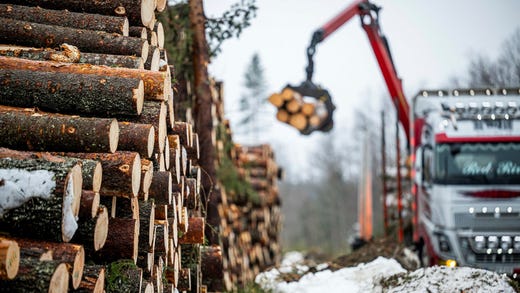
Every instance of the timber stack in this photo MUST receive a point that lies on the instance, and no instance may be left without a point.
(302, 114)
(100, 187)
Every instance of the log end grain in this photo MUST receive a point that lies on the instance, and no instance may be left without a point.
(136, 174)
(77, 269)
(160, 30)
(71, 203)
(9, 259)
(161, 5)
(126, 27)
(113, 135)
(147, 12)
(60, 280)
(151, 141)
(138, 96)
(144, 50)
(96, 180)
(101, 229)
(156, 57)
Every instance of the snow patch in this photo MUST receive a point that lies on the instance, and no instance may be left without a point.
(17, 186)
(353, 279)
(445, 279)
(69, 221)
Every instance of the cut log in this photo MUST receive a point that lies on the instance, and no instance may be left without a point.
(91, 170)
(44, 35)
(175, 165)
(139, 12)
(158, 28)
(154, 113)
(106, 95)
(30, 130)
(93, 280)
(298, 121)
(282, 115)
(161, 188)
(122, 241)
(156, 84)
(193, 151)
(161, 240)
(195, 234)
(110, 202)
(70, 254)
(121, 172)
(184, 283)
(212, 267)
(166, 154)
(184, 161)
(276, 100)
(138, 32)
(71, 54)
(110, 60)
(89, 204)
(88, 21)
(154, 56)
(173, 230)
(161, 214)
(127, 208)
(39, 276)
(9, 258)
(146, 224)
(39, 198)
(192, 196)
(92, 233)
(146, 178)
(184, 131)
(137, 138)
(123, 276)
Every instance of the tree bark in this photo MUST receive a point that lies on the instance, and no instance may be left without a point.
(184, 131)
(93, 95)
(154, 113)
(91, 170)
(88, 21)
(161, 188)
(184, 283)
(139, 12)
(156, 83)
(30, 130)
(137, 137)
(195, 234)
(47, 54)
(93, 280)
(127, 208)
(152, 61)
(121, 172)
(122, 241)
(39, 198)
(92, 233)
(39, 276)
(43, 35)
(9, 258)
(203, 103)
(193, 151)
(89, 204)
(138, 32)
(71, 255)
(193, 195)
(146, 178)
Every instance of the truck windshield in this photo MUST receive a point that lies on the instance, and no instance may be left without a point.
(477, 163)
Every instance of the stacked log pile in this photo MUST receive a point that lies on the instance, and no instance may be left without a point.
(100, 188)
(96, 190)
(245, 217)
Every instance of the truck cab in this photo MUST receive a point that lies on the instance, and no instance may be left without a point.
(467, 177)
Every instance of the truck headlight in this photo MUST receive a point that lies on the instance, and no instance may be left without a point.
(506, 242)
(480, 242)
(517, 243)
(492, 242)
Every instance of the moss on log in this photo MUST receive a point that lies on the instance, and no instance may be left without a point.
(39, 276)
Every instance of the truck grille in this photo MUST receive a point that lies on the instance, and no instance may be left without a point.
(497, 258)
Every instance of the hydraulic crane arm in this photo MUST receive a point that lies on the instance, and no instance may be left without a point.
(368, 13)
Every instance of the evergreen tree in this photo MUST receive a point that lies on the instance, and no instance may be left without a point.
(253, 100)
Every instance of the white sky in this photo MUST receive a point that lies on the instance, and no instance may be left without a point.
(430, 41)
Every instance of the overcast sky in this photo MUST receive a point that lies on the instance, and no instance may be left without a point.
(431, 41)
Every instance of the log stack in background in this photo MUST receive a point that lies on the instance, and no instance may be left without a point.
(100, 188)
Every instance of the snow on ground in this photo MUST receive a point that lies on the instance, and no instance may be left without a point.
(379, 275)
